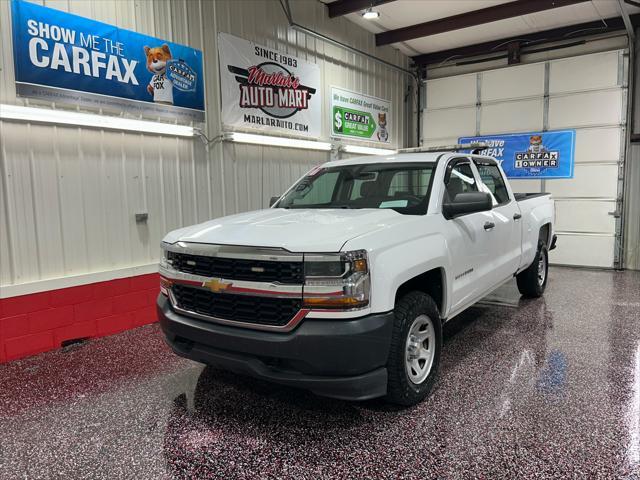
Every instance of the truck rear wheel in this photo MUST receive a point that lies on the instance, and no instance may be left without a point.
(416, 344)
(533, 281)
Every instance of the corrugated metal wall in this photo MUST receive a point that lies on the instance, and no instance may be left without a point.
(69, 195)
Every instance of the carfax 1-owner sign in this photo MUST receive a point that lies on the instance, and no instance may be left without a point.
(358, 116)
(70, 59)
(531, 154)
(267, 89)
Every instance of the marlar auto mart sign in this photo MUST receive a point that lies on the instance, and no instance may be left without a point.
(266, 89)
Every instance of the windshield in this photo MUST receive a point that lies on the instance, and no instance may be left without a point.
(403, 187)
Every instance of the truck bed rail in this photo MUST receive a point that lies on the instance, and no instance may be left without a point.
(527, 196)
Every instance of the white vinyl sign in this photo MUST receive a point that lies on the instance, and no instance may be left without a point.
(268, 89)
(358, 116)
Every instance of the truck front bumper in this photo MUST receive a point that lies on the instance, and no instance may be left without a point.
(337, 358)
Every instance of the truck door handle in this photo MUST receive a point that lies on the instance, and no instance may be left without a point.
(517, 216)
(489, 226)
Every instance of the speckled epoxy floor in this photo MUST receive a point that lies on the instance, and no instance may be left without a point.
(548, 388)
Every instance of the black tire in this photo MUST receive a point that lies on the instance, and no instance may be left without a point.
(400, 388)
(529, 283)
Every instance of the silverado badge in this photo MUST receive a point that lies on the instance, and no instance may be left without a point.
(216, 285)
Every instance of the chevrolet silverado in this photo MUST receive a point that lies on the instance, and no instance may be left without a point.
(343, 285)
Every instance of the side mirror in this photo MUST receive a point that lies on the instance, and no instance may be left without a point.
(466, 203)
(273, 201)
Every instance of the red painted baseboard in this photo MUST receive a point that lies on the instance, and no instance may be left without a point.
(31, 324)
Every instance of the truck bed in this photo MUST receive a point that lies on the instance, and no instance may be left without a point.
(526, 196)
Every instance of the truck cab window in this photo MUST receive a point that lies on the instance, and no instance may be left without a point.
(357, 189)
(493, 183)
(410, 182)
(308, 192)
(403, 187)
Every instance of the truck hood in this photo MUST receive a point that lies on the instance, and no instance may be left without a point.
(296, 230)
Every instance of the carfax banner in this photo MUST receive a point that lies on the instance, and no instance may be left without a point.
(358, 116)
(66, 58)
(532, 154)
(267, 89)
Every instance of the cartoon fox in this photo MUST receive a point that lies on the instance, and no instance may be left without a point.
(383, 134)
(160, 86)
(535, 144)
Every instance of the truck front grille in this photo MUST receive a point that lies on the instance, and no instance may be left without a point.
(238, 269)
(239, 308)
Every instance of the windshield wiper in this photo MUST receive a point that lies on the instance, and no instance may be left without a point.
(341, 206)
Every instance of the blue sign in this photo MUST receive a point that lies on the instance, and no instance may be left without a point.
(532, 154)
(67, 58)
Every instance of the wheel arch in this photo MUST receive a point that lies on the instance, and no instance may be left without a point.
(545, 233)
(432, 282)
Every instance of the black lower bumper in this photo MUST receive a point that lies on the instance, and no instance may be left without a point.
(336, 358)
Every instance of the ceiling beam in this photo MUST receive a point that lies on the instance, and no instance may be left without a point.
(470, 19)
(343, 7)
(552, 35)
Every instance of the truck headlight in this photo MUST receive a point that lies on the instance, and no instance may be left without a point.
(165, 283)
(336, 281)
(164, 261)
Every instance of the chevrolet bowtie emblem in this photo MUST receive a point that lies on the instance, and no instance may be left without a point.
(216, 285)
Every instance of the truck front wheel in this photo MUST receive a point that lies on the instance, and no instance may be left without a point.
(415, 349)
(533, 280)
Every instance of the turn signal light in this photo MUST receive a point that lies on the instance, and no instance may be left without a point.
(360, 265)
(335, 302)
(165, 286)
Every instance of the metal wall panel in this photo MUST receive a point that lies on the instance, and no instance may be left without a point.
(451, 92)
(511, 116)
(68, 196)
(598, 145)
(450, 123)
(437, 142)
(589, 181)
(522, 81)
(600, 248)
(524, 186)
(591, 217)
(586, 109)
(586, 72)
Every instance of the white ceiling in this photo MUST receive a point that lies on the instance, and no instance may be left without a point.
(403, 13)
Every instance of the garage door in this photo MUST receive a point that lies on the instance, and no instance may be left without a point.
(586, 93)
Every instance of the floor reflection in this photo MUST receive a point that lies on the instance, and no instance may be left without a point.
(546, 388)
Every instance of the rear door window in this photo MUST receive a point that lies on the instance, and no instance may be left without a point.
(491, 181)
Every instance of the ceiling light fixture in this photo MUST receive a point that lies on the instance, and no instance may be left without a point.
(367, 150)
(66, 117)
(276, 141)
(370, 14)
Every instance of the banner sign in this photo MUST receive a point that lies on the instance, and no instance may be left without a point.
(267, 89)
(358, 116)
(66, 58)
(532, 154)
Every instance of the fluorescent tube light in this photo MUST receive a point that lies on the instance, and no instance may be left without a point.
(276, 141)
(64, 117)
(367, 150)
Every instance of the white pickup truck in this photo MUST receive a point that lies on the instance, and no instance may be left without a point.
(343, 285)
